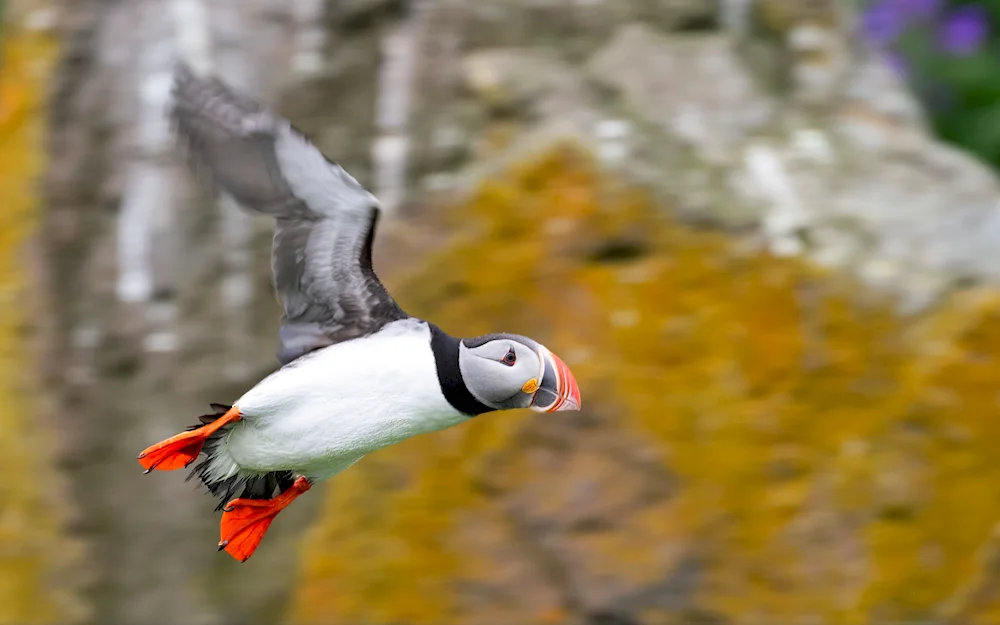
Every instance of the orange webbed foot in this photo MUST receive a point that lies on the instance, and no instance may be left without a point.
(181, 450)
(245, 521)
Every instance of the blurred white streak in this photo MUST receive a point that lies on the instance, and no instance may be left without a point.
(310, 37)
(734, 15)
(393, 102)
(43, 19)
(613, 140)
(232, 23)
(148, 192)
(194, 37)
(787, 218)
(147, 233)
(812, 144)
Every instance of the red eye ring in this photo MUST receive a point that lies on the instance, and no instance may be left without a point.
(509, 358)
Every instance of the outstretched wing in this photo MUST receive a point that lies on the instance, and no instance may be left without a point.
(325, 220)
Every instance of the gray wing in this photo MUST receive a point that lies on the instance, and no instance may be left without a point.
(325, 220)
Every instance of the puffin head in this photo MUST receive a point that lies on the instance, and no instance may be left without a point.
(506, 371)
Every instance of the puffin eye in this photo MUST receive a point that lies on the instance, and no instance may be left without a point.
(509, 358)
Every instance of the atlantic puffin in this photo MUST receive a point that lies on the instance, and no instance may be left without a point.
(355, 373)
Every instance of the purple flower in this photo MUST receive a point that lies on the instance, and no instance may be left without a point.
(885, 20)
(883, 23)
(918, 10)
(964, 30)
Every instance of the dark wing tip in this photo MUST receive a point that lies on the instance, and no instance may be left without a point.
(184, 88)
(207, 100)
(223, 136)
(183, 72)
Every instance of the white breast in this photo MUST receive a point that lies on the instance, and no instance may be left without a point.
(323, 413)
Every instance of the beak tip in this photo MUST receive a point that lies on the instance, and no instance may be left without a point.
(572, 401)
(573, 395)
(568, 391)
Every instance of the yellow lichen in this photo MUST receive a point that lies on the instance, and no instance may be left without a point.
(833, 460)
(32, 548)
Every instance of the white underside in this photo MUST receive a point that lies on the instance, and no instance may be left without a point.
(324, 412)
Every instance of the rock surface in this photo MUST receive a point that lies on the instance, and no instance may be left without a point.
(784, 401)
(831, 159)
(762, 440)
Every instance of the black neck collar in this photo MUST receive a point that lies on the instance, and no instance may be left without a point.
(445, 348)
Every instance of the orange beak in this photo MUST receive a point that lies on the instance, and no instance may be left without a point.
(558, 389)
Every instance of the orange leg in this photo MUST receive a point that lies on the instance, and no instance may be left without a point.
(179, 451)
(245, 521)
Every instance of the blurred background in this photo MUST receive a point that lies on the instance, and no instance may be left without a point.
(763, 233)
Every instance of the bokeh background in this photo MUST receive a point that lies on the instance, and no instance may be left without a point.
(765, 234)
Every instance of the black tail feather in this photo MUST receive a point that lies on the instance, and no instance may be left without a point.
(263, 486)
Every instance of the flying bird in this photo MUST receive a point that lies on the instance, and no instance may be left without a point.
(356, 373)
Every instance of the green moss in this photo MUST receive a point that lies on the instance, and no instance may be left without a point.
(833, 460)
